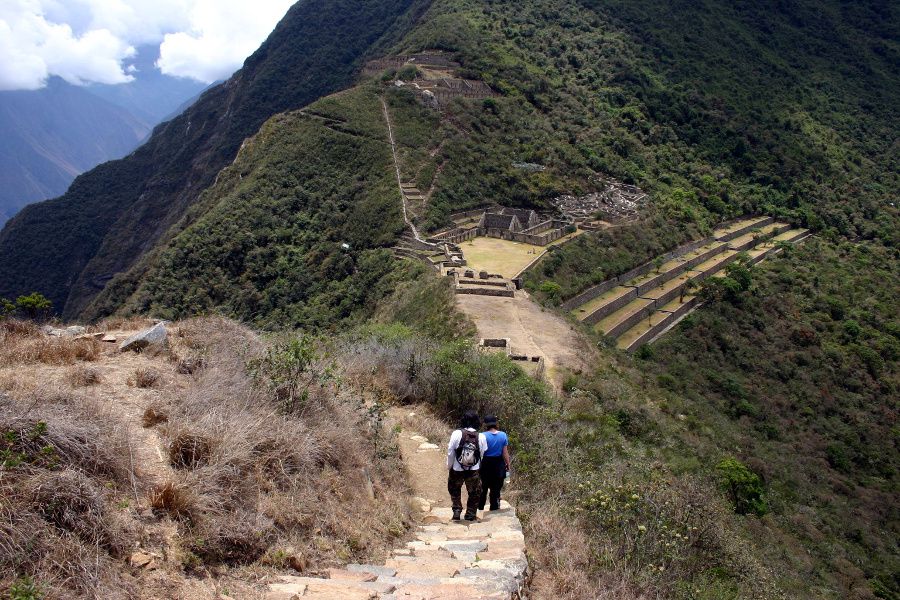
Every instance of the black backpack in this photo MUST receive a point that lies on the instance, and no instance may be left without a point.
(468, 452)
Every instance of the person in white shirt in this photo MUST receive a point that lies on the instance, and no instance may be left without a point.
(464, 453)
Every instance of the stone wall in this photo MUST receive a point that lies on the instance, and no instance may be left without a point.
(667, 320)
(486, 291)
(608, 309)
(602, 288)
(626, 324)
(743, 230)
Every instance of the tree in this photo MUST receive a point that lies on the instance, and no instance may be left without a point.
(552, 290)
(34, 306)
(743, 486)
(689, 287)
(6, 308)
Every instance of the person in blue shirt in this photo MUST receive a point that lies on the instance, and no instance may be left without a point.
(494, 463)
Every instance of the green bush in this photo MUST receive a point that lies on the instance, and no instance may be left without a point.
(24, 588)
(34, 306)
(743, 486)
(551, 291)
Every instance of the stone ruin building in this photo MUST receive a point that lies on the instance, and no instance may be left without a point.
(514, 224)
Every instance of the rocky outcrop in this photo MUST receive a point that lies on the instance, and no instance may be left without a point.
(155, 336)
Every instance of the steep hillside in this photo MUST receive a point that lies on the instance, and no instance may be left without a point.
(801, 378)
(49, 136)
(292, 234)
(71, 246)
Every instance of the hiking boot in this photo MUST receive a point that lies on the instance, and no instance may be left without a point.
(471, 517)
(495, 507)
(456, 514)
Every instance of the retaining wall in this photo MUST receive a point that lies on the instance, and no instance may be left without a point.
(608, 309)
(465, 281)
(623, 326)
(705, 274)
(651, 333)
(481, 291)
(751, 242)
(601, 288)
(735, 234)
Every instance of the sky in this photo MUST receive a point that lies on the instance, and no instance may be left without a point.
(91, 41)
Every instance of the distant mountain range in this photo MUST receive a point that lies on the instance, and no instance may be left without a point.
(50, 136)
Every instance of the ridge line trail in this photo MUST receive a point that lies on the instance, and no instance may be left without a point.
(387, 120)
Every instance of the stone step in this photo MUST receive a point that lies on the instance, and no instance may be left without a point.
(647, 329)
(714, 265)
(605, 304)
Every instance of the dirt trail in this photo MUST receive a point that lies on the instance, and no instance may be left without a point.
(448, 559)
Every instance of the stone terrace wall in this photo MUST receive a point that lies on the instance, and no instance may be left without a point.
(651, 333)
(454, 236)
(601, 288)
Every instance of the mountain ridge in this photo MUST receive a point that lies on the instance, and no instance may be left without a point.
(143, 196)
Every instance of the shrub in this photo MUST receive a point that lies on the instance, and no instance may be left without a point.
(290, 370)
(82, 376)
(144, 378)
(34, 306)
(551, 290)
(6, 308)
(177, 500)
(24, 588)
(154, 415)
(189, 451)
(743, 486)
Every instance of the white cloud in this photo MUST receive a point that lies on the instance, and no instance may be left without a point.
(88, 40)
(221, 36)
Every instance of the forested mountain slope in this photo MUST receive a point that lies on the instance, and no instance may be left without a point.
(784, 396)
(49, 136)
(69, 247)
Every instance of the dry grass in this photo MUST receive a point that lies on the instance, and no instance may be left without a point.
(124, 324)
(252, 478)
(154, 415)
(240, 479)
(175, 499)
(66, 463)
(24, 343)
(425, 423)
(82, 376)
(144, 377)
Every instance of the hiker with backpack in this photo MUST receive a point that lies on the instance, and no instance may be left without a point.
(464, 453)
(494, 463)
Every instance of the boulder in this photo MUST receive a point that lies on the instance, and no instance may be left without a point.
(155, 336)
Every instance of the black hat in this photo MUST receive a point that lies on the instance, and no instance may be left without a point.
(490, 420)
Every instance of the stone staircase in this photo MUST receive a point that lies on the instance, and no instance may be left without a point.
(636, 308)
(447, 560)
